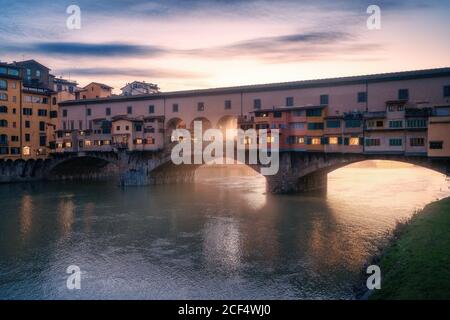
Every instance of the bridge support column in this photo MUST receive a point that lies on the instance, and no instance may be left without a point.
(313, 182)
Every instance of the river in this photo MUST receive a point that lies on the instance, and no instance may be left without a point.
(220, 238)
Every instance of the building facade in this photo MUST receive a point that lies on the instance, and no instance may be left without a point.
(384, 113)
(28, 110)
(139, 87)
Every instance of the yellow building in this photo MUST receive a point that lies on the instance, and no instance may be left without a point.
(10, 110)
(439, 132)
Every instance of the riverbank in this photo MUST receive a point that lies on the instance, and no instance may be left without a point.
(416, 263)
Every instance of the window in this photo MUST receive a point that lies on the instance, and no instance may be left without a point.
(54, 101)
(416, 123)
(3, 84)
(298, 113)
(38, 73)
(28, 72)
(127, 128)
(334, 123)
(315, 140)
(14, 99)
(45, 100)
(108, 111)
(27, 111)
(314, 112)
(27, 124)
(88, 112)
(80, 124)
(446, 91)
(3, 109)
(380, 123)
(26, 151)
(315, 126)
(297, 125)
(352, 123)
(289, 101)
(27, 137)
(4, 150)
(403, 94)
(417, 142)
(324, 99)
(138, 141)
(175, 107)
(257, 104)
(15, 150)
(200, 106)
(15, 138)
(395, 124)
(277, 114)
(3, 97)
(42, 112)
(43, 141)
(354, 141)
(362, 97)
(41, 126)
(87, 143)
(396, 142)
(129, 109)
(151, 109)
(436, 144)
(54, 114)
(227, 104)
(65, 113)
(333, 140)
(373, 142)
(391, 108)
(72, 124)
(118, 128)
(3, 139)
(138, 127)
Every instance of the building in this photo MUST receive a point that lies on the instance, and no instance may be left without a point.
(10, 111)
(29, 109)
(93, 90)
(439, 132)
(382, 113)
(138, 87)
(34, 74)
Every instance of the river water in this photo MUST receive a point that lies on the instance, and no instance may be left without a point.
(221, 237)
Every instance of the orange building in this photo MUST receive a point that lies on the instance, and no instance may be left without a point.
(10, 111)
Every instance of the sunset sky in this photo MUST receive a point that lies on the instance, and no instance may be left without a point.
(200, 44)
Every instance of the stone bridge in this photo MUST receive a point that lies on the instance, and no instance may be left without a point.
(298, 171)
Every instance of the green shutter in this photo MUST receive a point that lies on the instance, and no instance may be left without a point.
(339, 140)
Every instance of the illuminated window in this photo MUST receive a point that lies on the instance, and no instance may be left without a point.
(333, 140)
(354, 141)
(60, 145)
(68, 144)
(301, 140)
(138, 141)
(87, 143)
(315, 141)
(107, 142)
(26, 151)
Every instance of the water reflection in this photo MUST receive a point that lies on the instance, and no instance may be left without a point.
(26, 215)
(222, 237)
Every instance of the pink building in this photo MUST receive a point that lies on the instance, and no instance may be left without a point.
(376, 113)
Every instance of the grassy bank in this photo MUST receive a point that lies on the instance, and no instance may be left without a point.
(417, 263)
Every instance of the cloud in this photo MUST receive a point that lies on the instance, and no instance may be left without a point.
(285, 48)
(291, 47)
(132, 72)
(84, 49)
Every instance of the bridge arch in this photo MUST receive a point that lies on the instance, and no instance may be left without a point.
(173, 124)
(84, 167)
